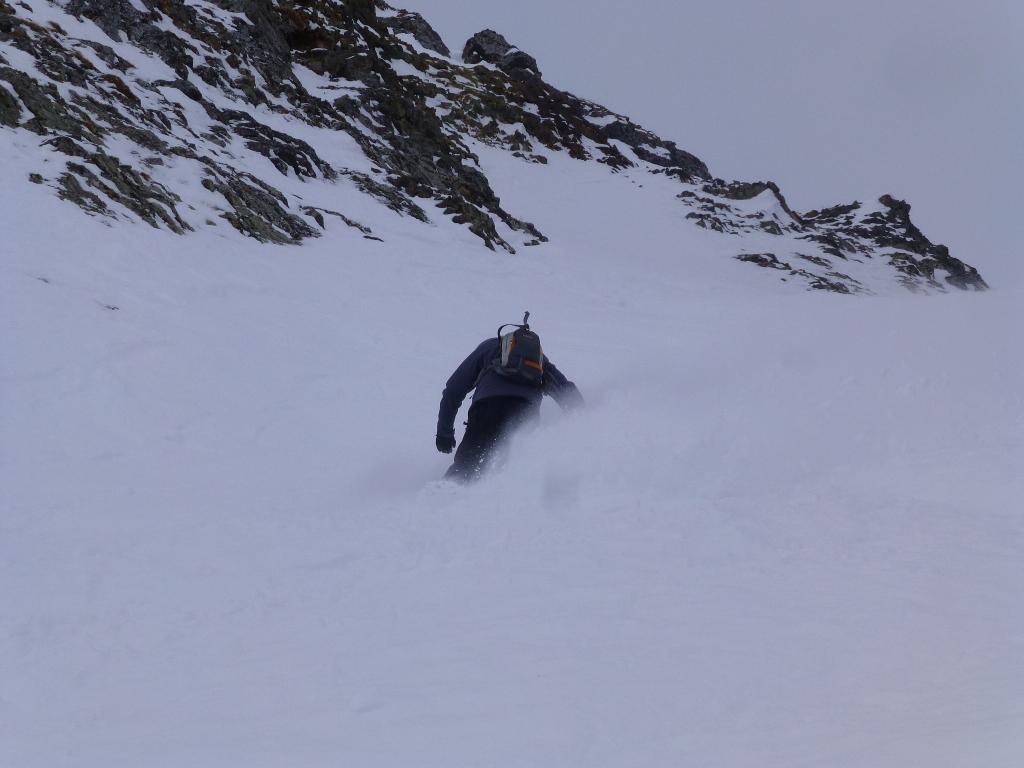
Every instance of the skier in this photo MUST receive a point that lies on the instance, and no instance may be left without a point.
(510, 374)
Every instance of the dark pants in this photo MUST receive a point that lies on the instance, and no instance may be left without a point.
(491, 420)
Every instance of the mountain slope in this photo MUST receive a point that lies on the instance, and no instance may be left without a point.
(278, 117)
(785, 529)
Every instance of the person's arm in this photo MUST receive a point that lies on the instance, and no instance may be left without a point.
(459, 385)
(560, 388)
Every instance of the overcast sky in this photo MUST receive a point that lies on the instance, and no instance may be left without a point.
(835, 101)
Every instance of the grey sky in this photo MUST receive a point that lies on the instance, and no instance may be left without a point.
(833, 100)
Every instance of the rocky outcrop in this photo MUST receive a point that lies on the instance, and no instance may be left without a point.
(406, 22)
(419, 147)
(252, 97)
(257, 209)
(836, 282)
(493, 48)
(134, 190)
(740, 190)
(887, 232)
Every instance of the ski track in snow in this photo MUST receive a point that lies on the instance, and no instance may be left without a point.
(786, 531)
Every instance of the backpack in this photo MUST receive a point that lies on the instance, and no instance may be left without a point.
(521, 359)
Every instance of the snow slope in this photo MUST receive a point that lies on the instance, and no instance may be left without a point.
(786, 530)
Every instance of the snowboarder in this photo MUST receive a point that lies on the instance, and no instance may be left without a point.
(510, 374)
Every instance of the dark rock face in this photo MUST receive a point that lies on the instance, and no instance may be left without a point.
(893, 229)
(49, 112)
(390, 118)
(117, 16)
(739, 190)
(493, 48)
(422, 154)
(406, 22)
(136, 191)
(261, 89)
(645, 146)
(258, 210)
(834, 281)
(10, 110)
(848, 232)
(287, 153)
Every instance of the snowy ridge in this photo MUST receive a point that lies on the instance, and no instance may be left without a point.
(281, 119)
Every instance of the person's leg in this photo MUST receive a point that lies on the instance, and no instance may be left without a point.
(481, 432)
(516, 412)
(490, 422)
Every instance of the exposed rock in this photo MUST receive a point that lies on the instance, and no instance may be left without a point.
(343, 64)
(286, 152)
(816, 260)
(107, 55)
(646, 145)
(317, 214)
(115, 17)
(767, 260)
(257, 209)
(835, 282)
(10, 110)
(388, 195)
(893, 228)
(834, 213)
(70, 188)
(407, 22)
(493, 48)
(49, 111)
(115, 181)
(739, 190)
(140, 193)
(846, 231)
(126, 146)
(263, 43)
(111, 16)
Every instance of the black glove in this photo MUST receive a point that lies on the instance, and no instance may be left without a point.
(445, 444)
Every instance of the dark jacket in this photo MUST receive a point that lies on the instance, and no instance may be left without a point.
(493, 384)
